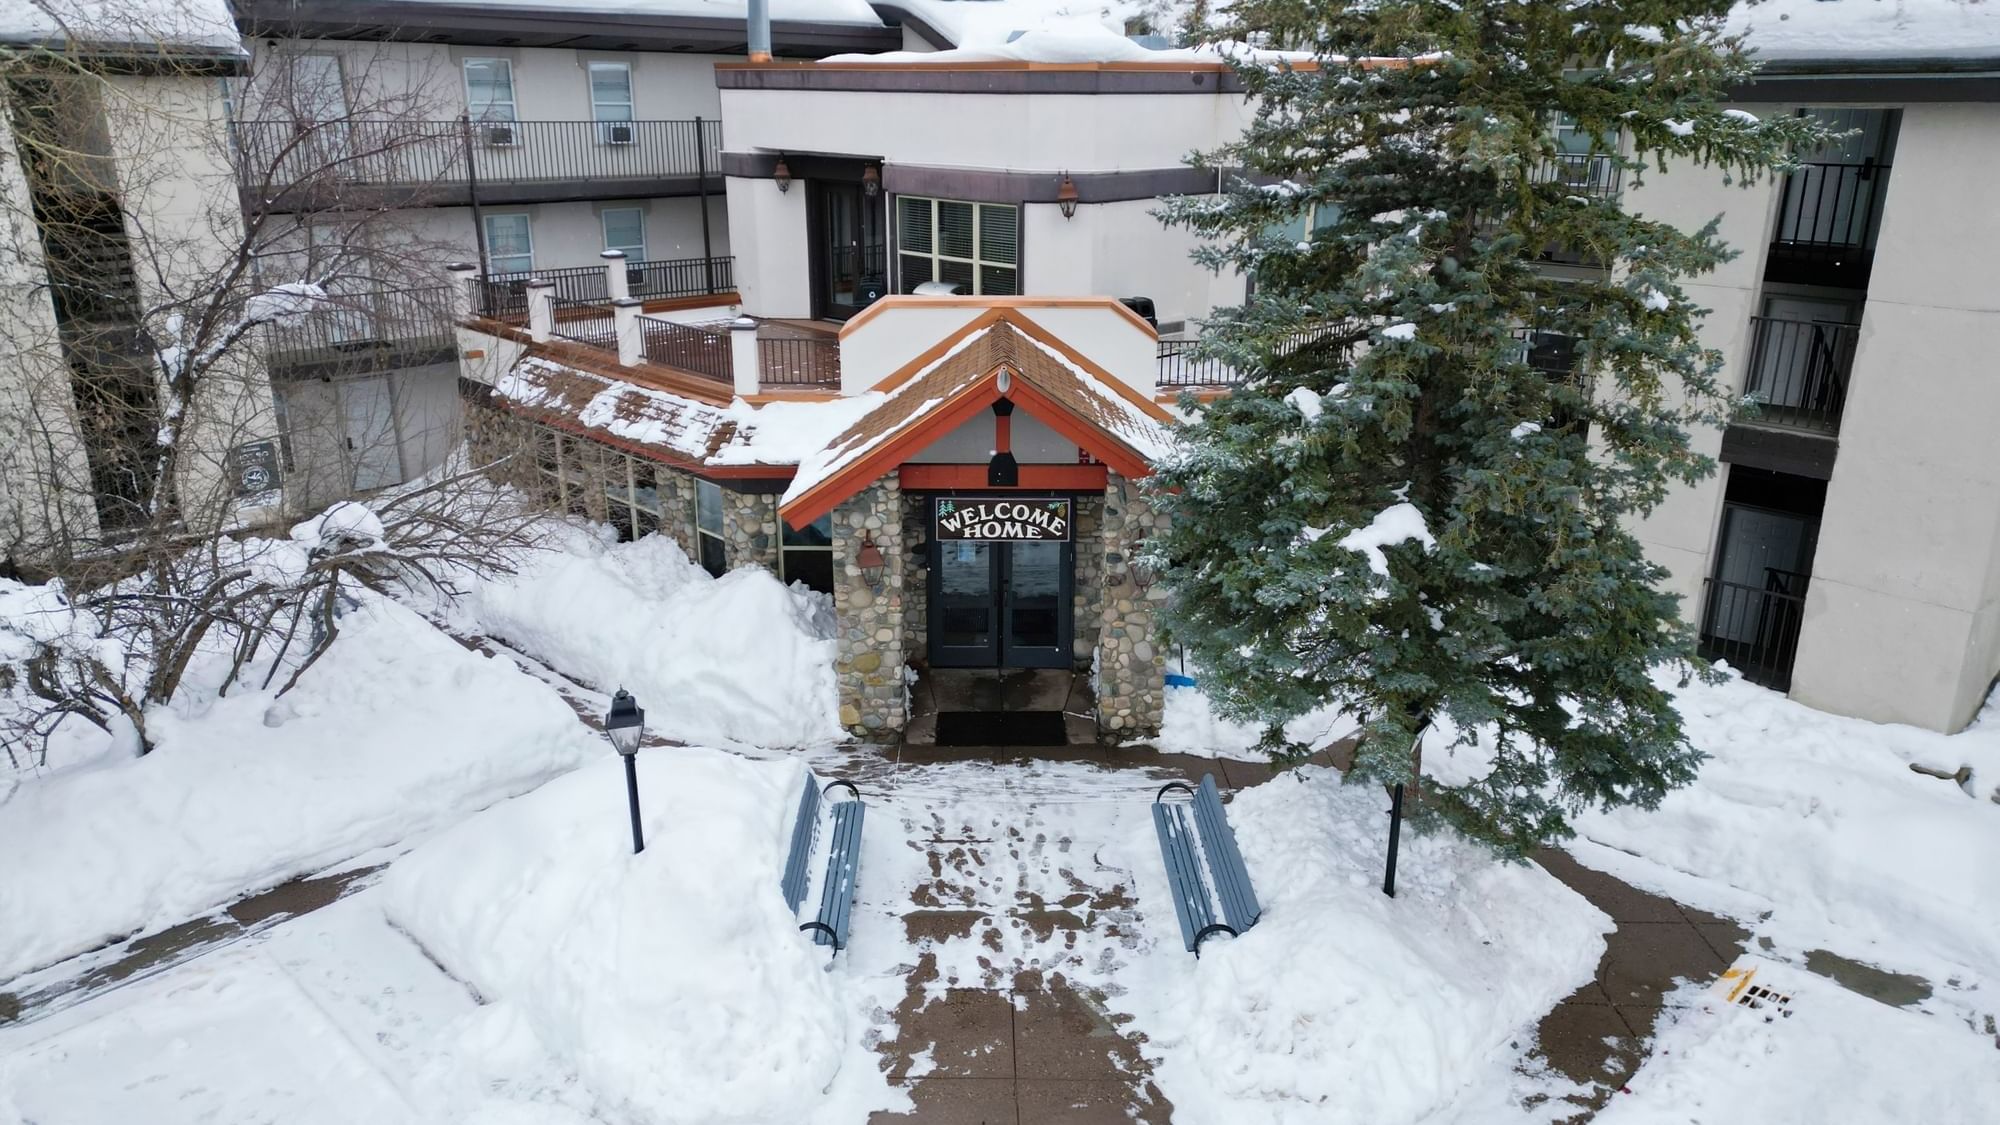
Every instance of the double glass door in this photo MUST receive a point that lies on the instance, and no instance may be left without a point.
(1000, 605)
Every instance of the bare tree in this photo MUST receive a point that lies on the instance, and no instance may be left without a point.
(169, 235)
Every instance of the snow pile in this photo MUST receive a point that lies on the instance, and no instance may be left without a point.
(1838, 1057)
(346, 526)
(396, 729)
(1341, 996)
(673, 983)
(30, 618)
(1820, 819)
(283, 302)
(741, 658)
(1860, 29)
(1191, 726)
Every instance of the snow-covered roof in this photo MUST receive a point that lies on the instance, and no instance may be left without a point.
(1074, 43)
(967, 374)
(1869, 29)
(981, 23)
(153, 24)
(855, 12)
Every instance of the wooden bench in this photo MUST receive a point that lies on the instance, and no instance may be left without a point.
(1203, 865)
(836, 896)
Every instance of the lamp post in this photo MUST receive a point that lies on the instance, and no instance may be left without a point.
(625, 723)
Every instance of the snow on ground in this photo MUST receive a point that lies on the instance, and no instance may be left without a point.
(674, 984)
(741, 658)
(1837, 1057)
(1342, 1004)
(1819, 819)
(396, 730)
(1191, 726)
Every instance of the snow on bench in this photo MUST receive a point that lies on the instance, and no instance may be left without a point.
(843, 858)
(1211, 887)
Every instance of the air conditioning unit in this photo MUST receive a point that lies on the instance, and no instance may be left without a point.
(635, 278)
(619, 133)
(500, 135)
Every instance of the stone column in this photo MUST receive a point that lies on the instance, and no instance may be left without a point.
(750, 528)
(1088, 597)
(916, 577)
(677, 509)
(1131, 669)
(874, 703)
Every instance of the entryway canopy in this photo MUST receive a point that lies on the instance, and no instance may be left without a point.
(1000, 355)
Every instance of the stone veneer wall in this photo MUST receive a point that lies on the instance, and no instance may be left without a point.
(874, 703)
(750, 528)
(916, 577)
(1131, 690)
(677, 508)
(1089, 586)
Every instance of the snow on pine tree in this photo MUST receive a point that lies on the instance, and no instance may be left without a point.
(1410, 506)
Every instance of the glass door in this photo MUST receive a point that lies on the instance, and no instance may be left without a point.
(965, 625)
(1035, 601)
(850, 273)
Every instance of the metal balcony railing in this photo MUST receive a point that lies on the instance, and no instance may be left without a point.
(1180, 367)
(1756, 628)
(283, 155)
(385, 329)
(690, 347)
(1827, 224)
(1799, 371)
(798, 362)
(1591, 175)
(506, 294)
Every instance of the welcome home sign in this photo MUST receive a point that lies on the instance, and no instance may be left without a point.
(1005, 520)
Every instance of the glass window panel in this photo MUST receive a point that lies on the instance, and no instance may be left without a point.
(814, 568)
(646, 490)
(509, 243)
(954, 228)
(999, 234)
(708, 507)
(998, 281)
(714, 558)
(489, 89)
(913, 224)
(914, 271)
(1325, 215)
(611, 91)
(818, 533)
(625, 229)
(959, 272)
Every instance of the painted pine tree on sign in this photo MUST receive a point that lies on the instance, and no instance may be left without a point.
(1419, 502)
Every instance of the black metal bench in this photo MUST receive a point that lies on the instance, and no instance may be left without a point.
(836, 896)
(1200, 851)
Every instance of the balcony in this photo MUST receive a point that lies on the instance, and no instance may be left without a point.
(1756, 628)
(1587, 175)
(383, 331)
(1827, 225)
(505, 295)
(1181, 369)
(1799, 371)
(287, 165)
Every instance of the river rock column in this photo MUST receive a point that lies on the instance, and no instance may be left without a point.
(1131, 667)
(874, 703)
(750, 529)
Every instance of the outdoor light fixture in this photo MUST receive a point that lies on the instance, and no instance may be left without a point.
(625, 724)
(1142, 571)
(1066, 197)
(870, 561)
(781, 174)
(871, 181)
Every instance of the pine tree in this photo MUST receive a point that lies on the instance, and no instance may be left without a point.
(1407, 506)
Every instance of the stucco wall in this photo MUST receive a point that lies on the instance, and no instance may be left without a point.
(768, 235)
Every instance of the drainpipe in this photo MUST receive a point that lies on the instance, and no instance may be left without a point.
(760, 30)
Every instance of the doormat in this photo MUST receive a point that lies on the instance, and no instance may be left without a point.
(1000, 728)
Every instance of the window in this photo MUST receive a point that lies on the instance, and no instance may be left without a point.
(972, 246)
(632, 497)
(807, 555)
(611, 93)
(489, 89)
(510, 245)
(708, 527)
(625, 229)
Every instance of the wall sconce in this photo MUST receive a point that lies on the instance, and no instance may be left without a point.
(871, 562)
(1143, 574)
(1066, 197)
(781, 174)
(871, 181)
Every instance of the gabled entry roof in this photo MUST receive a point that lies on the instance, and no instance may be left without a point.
(929, 398)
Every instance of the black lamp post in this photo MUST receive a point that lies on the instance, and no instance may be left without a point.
(626, 724)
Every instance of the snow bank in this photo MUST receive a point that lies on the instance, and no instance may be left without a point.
(674, 983)
(395, 730)
(1191, 726)
(1838, 1057)
(1344, 1004)
(740, 658)
(1819, 818)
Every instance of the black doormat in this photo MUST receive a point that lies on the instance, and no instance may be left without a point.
(1000, 728)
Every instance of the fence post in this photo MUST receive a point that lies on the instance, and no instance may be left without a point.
(617, 284)
(743, 357)
(625, 323)
(459, 304)
(541, 309)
